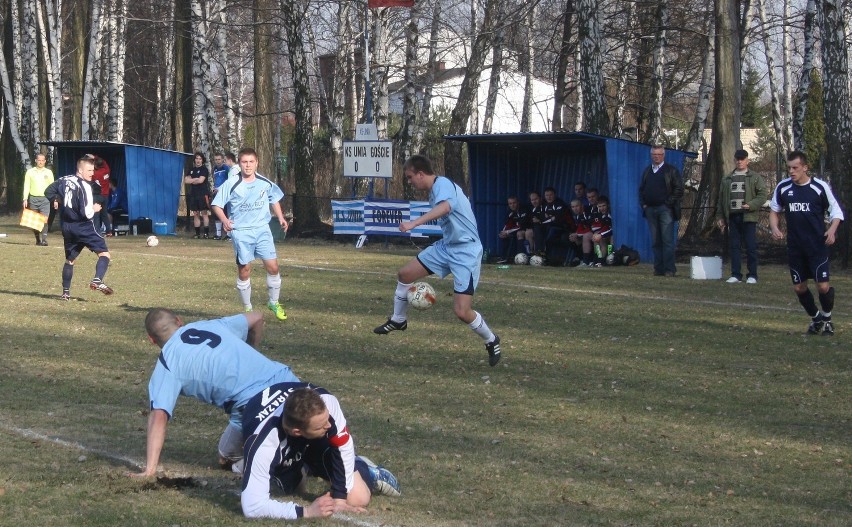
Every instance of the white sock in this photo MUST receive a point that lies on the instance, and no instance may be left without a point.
(273, 286)
(481, 328)
(219, 229)
(400, 302)
(244, 290)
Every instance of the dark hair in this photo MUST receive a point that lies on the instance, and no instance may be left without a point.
(595, 190)
(537, 193)
(419, 163)
(300, 406)
(230, 156)
(550, 189)
(203, 158)
(247, 151)
(580, 183)
(798, 154)
(603, 199)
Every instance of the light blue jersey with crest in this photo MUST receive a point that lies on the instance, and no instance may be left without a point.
(459, 226)
(249, 202)
(211, 361)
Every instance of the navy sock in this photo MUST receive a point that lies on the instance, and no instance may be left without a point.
(826, 300)
(67, 274)
(807, 301)
(101, 267)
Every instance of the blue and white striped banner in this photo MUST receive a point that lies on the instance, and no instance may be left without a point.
(384, 217)
(348, 216)
(419, 208)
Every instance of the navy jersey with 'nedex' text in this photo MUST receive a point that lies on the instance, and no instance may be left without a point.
(805, 207)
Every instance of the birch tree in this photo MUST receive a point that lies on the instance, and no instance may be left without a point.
(338, 87)
(655, 104)
(563, 61)
(92, 89)
(206, 124)
(494, 78)
(808, 55)
(30, 122)
(264, 100)
(115, 69)
(838, 116)
(595, 118)
(529, 57)
(409, 101)
(428, 79)
(50, 31)
(705, 90)
(787, 68)
(379, 71)
(220, 32)
(626, 59)
(778, 125)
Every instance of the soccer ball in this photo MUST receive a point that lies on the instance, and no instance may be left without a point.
(421, 295)
(610, 259)
(152, 241)
(536, 261)
(521, 258)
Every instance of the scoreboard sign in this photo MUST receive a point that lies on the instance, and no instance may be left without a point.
(368, 159)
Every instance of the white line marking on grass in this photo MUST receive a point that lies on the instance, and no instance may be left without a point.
(32, 434)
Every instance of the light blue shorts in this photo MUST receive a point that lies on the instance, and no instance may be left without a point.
(250, 244)
(463, 260)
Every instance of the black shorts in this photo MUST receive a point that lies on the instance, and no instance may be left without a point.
(806, 265)
(196, 203)
(79, 236)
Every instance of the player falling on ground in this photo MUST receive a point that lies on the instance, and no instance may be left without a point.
(249, 198)
(805, 202)
(459, 252)
(76, 209)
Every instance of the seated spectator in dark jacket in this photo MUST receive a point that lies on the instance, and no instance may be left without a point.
(580, 193)
(592, 196)
(536, 216)
(581, 237)
(553, 223)
(513, 236)
(601, 236)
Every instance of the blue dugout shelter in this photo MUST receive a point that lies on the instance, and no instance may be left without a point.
(151, 177)
(503, 165)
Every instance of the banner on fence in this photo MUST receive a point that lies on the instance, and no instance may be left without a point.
(380, 217)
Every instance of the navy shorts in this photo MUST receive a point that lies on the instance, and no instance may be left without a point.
(808, 265)
(79, 236)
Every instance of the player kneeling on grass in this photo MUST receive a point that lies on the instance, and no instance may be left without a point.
(296, 430)
(214, 361)
(459, 252)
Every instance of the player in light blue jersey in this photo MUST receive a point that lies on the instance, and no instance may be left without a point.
(214, 361)
(806, 203)
(249, 198)
(459, 252)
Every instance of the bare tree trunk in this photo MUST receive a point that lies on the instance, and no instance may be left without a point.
(473, 120)
(379, 72)
(655, 106)
(51, 40)
(344, 50)
(429, 79)
(461, 114)
(117, 46)
(220, 31)
(12, 121)
(560, 96)
(580, 106)
(166, 84)
(529, 57)
(705, 91)
(29, 76)
(726, 118)
(838, 115)
(264, 101)
(79, 23)
(92, 78)
(808, 55)
(183, 78)
(409, 102)
(787, 104)
(626, 59)
(778, 125)
(595, 117)
(494, 79)
(305, 208)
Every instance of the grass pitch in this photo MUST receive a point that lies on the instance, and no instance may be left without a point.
(621, 399)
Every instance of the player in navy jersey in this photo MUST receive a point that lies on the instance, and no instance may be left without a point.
(807, 202)
(294, 430)
(601, 230)
(459, 252)
(77, 210)
(249, 198)
(214, 361)
(514, 230)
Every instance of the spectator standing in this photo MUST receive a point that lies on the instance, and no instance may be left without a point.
(198, 197)
(741, 194)
(660, 193)
(805, 202)
(36, 180)
(117, 202)
(100, 193)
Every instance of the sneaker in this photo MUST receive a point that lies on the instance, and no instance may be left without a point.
(97, 285)
(278, 309)
(382, 480)
(827, 328)
(217, 238)
(227, 238)
(389, 326)
(493, 349)
(817, 324)
(751, 280)
(197, 236)
(206, 236)
(733, 280)
(65, 296)
(502, 261)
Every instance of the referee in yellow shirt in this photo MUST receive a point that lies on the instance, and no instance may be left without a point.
(36, 180)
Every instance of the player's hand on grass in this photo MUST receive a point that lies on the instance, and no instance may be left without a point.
(342, 506)
(321, 507)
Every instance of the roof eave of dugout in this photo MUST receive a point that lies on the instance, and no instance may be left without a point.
(502, 165)
(152, 177)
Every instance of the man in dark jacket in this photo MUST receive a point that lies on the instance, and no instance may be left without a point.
(741, 194)
(659, 195)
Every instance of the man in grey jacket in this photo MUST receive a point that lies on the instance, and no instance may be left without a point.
(741, 194)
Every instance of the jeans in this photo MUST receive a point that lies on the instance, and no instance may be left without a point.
(739, 231)
(661, 225)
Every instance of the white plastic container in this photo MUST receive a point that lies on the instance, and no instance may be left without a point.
(706, 268)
